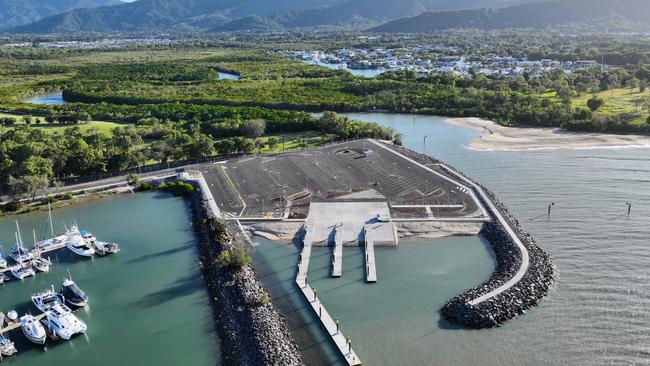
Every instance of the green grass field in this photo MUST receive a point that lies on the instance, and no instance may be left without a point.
(618, 102)
(292, 141)
(102, 126)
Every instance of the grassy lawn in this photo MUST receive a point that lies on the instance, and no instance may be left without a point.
(618, 102)
(292, 141)
(103, 127)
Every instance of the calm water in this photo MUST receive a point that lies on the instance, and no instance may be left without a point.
(49, 99)
(367, 73)
(228, 76)
(148, 304)
(598, 312)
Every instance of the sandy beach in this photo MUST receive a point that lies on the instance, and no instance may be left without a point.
(495, 137)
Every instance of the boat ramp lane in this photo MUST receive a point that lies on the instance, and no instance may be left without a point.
(337, 260)
(343, 344)
(371, 270)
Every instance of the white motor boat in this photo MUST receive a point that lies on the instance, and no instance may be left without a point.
(32, 329)
(103, 248)
(22, 271)
(78, 245)
(3, 278)
(7, 347)
(88, 237)
(47, 299)
(60, 320)
(72, 294)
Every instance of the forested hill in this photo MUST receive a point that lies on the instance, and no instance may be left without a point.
(622, 14)
(179, 15)
(163, 15)
(19, 12)
(351, 13)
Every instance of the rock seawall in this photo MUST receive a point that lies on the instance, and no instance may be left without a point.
(517, 299)
(251, 330)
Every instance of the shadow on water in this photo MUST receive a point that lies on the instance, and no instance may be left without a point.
(182, 287)
(187, 246)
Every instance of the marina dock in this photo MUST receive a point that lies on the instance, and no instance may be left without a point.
(371, 270)
(342, 343)
(337, 261)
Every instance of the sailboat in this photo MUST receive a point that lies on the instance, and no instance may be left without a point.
(54, 242)
(39, 263)
(18, 252)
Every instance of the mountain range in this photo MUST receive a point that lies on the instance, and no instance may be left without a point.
(281, 15)
(181, 15)
(19, 12)
(618, 14)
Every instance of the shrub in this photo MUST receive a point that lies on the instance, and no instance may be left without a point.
(595, 103)
(145, 186)
(237, 258)
(68, 196)
(48, 199)
(179, 188)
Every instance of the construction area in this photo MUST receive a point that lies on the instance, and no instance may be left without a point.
(355, 193)
(343, 189)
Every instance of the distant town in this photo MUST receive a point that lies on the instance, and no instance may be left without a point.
(437, 59)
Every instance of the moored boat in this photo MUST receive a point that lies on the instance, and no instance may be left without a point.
(72, 294)
(103, 248)
(39, 263)
(78, 245)
(19, 253)
(32, 329)
(7, 347)
(60, 320)
(47, 299)
(22, 271)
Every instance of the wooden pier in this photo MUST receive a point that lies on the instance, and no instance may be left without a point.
(337, 261)
(343, 344)
(371, 270)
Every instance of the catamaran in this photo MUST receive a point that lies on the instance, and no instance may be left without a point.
(18, 252)
(22, 271)
(7, 347)
(60, 320)
(32, 329)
